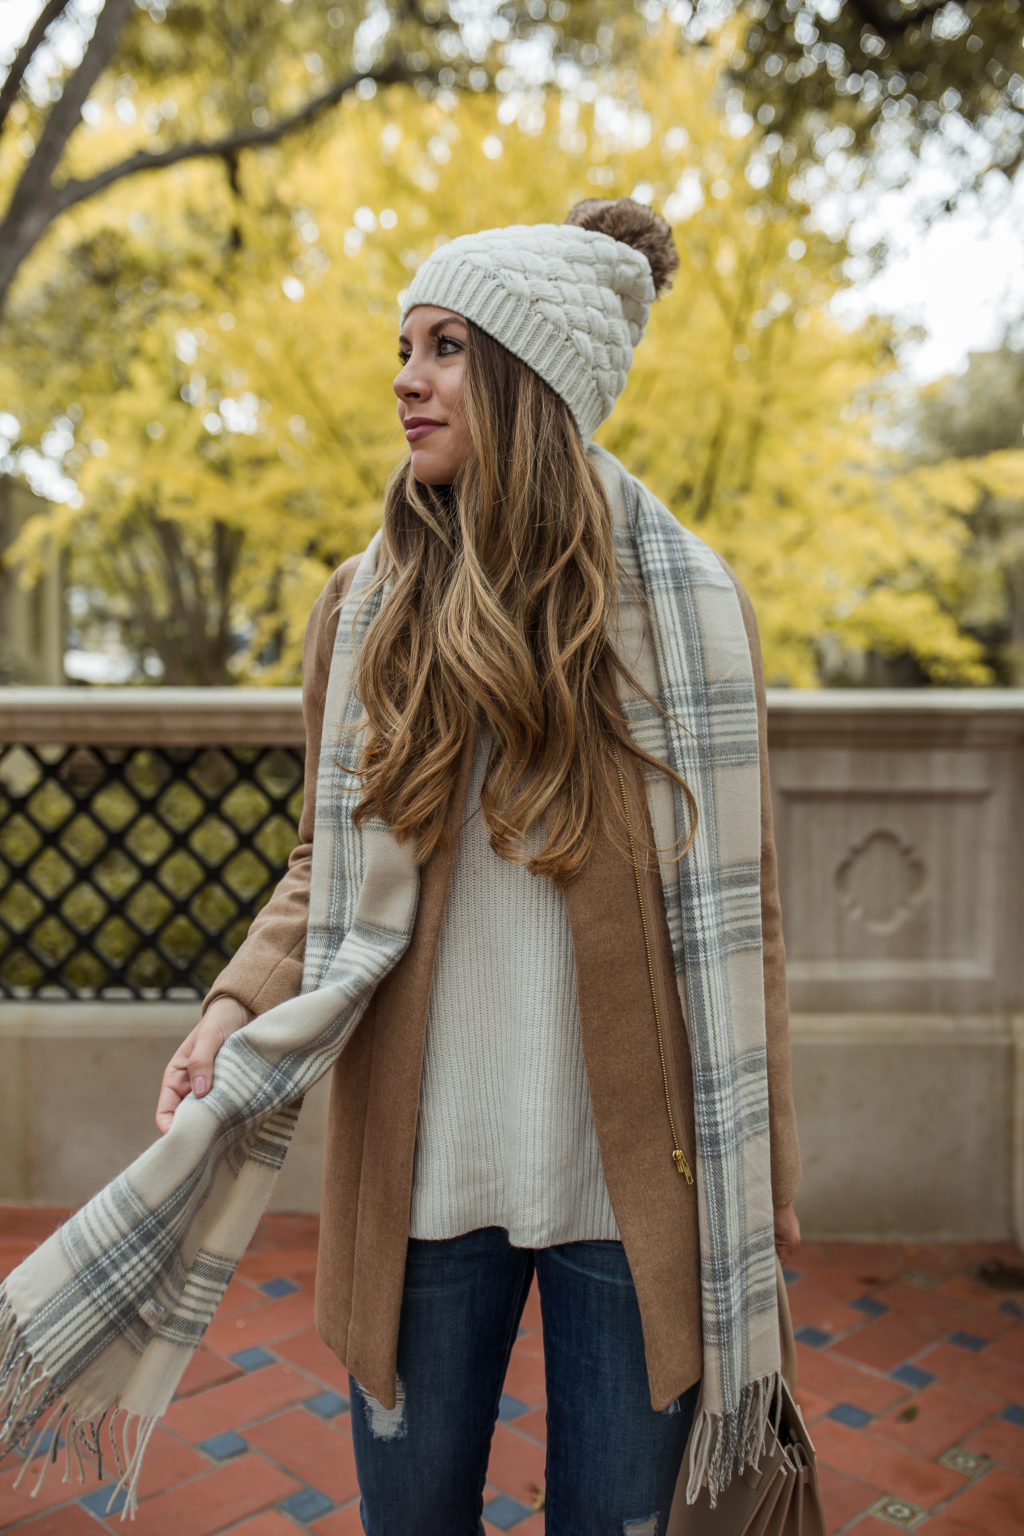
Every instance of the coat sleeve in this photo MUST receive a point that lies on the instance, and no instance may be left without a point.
(266, 969)
(785, 1148)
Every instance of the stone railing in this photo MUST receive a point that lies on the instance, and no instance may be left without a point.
(900, 823)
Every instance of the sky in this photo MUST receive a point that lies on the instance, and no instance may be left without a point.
(962, 281)
(961, 278)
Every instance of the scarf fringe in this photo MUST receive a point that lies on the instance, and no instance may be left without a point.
(38, 1420)
(723, 1444)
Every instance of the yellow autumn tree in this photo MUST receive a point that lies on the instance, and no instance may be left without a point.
(255, 399)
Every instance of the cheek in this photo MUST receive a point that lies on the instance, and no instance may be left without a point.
(461, 445)
(461, 434)
(452, 394)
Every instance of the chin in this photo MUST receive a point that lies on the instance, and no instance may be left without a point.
(433, 474)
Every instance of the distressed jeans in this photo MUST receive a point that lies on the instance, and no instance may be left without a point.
(612, 1462)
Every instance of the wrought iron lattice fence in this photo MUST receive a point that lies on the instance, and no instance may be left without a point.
(134, 871)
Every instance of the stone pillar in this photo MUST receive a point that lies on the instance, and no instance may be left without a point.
(899, 818)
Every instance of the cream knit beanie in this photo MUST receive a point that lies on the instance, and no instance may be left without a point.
(571, 302)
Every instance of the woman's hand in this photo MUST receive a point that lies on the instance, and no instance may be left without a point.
(787, 1232)
(190, 1069)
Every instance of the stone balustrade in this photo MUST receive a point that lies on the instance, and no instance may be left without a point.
(900, 825)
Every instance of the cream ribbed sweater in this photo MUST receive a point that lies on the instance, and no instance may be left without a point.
(505, 1135)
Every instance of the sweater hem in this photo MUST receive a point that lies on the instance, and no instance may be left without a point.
(518, 1236)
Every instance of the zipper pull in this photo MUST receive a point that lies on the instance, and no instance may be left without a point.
(682, 1166)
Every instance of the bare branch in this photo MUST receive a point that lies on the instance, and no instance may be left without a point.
(23, 58)
(37, 201)
(73, 192)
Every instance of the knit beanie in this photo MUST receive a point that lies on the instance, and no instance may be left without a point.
(570, 300)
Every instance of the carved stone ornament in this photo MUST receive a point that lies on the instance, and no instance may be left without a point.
(881, 882)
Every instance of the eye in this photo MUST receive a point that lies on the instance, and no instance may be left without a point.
(448, 341)
(403, 356)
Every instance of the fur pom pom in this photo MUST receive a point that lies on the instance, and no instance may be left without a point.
(634, 224)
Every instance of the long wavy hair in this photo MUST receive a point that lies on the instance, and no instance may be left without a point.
(501, 590)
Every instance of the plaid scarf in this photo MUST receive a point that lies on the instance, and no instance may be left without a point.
(99, 1323)
(696, 663)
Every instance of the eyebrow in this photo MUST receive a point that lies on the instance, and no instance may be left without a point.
(439, 325)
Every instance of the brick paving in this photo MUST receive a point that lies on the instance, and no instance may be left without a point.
(911, 1380)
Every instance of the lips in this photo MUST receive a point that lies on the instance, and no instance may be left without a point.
(419, 426)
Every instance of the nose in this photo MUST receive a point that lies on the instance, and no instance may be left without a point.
(408, 384)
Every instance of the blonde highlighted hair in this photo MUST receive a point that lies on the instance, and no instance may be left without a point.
(501, 589)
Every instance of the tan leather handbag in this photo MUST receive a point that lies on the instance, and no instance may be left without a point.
(779, 1498)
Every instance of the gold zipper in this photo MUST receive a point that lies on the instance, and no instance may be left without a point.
(678, 1155)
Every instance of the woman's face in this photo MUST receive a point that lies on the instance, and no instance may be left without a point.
(432, 349)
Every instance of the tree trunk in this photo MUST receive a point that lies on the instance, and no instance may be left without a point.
(36, 201)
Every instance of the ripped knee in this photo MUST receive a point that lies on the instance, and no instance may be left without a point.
(385, 1423)
(649, 1526)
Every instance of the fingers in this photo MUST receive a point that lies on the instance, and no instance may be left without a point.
(190, 1069)
(174, 1087)
(178, 1082)
(220, 1020)
(199, 1066)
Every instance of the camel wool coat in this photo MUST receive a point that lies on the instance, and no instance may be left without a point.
(371, 1134)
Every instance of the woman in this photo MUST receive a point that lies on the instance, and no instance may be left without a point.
(501, 564)
(534, 920)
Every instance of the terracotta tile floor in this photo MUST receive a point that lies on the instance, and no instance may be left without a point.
(912, 1381)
